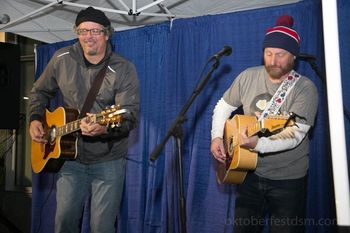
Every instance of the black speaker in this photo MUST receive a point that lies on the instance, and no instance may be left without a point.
(9, 85)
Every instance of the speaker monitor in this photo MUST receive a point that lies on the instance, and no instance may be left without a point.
(9, 85)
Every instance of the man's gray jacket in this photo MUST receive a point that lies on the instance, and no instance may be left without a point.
(69, 73)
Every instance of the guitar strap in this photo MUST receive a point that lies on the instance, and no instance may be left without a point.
(95, 87)
(280, 96)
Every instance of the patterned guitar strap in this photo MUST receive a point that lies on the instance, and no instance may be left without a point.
(280, 96)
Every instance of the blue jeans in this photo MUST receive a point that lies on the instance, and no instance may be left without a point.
(280, 204)
(76, 181)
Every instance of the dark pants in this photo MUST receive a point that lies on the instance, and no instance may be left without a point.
(280, 204)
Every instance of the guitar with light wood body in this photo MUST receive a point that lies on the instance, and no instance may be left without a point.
(240, 160)
(60, 126)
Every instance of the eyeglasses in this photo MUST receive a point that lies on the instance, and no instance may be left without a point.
(93, 31)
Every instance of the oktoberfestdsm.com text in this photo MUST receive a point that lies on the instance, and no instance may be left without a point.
(252, 221)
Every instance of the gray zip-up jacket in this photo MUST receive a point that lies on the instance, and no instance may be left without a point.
(68, 73)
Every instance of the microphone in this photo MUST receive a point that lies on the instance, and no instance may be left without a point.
(308, 57)
(4, 19)
(225, 51)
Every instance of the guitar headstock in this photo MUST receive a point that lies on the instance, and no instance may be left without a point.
(111, 117)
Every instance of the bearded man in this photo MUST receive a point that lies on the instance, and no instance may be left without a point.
(274, 193)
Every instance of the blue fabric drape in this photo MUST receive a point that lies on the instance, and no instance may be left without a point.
(344, 43)
(170, 59)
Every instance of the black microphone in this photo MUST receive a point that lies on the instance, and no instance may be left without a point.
(305, 56)
(225, 51)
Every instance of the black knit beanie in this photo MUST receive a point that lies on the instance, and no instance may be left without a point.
(92, 15)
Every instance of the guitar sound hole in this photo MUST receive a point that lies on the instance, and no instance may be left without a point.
(230, 147)
(52, 135)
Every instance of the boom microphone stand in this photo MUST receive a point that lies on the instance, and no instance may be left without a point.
(312, 62)
(176, 131)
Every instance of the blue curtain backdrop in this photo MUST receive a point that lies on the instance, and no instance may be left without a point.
(170, 59)
(344, 42)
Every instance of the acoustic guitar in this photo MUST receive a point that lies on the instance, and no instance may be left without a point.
(61, 145)
(240, 160)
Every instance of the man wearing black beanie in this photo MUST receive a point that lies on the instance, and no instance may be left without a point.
(97, 169)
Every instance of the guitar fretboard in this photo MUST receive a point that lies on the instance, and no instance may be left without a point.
(271, 123)
(68, 128)
(253, 129)
(104, 118)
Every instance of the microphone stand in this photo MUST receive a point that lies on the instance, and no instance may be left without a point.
(319, 74)
(176, 131)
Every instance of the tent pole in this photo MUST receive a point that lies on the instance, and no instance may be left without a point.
(335, 111)
(124, 5)
(85, 6)
(166, 10)
(99, 8)
(29, 15)
(149, 5)
(119, 11)
(133, 6)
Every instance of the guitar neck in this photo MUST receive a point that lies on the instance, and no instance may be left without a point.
(104, 118)
(68, 128)
(271, 124)
(254, 128)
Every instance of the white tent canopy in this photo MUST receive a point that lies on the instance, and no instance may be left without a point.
(51, 20)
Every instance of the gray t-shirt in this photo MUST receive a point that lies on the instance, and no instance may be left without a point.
(253, 90)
